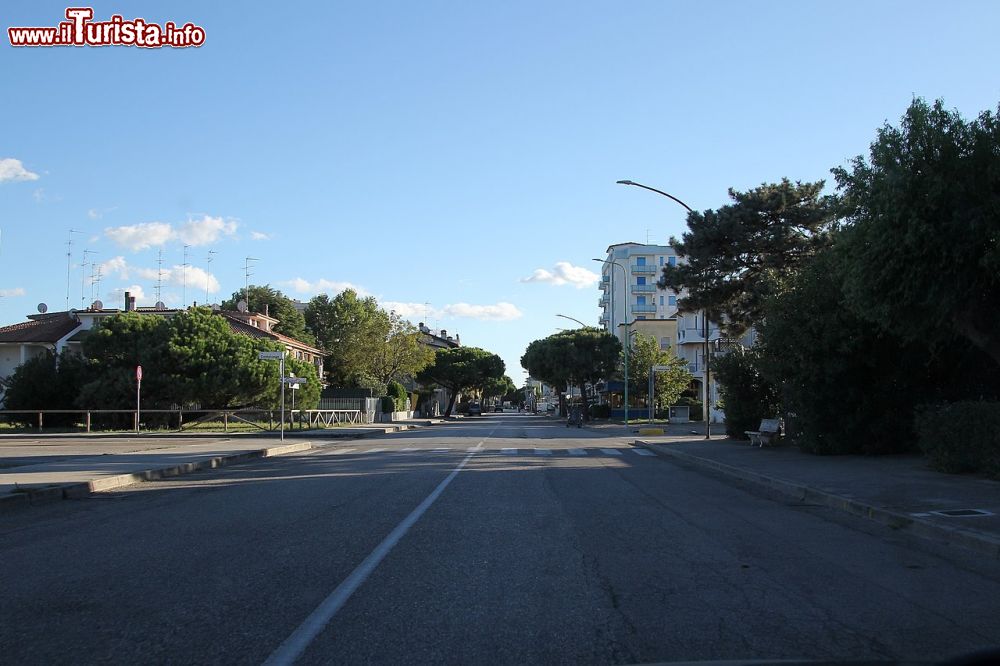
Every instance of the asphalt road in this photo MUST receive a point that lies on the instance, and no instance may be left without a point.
(550, 545)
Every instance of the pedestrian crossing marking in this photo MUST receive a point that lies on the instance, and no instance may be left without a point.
(611, 452)
(543, 452)
(340, 452)
(577, 452)
(643, 452)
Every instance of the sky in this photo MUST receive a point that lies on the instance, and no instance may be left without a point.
(456, 160)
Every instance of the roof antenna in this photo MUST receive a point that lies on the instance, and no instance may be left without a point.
(246, 279)
(208, 271)
(69, 261)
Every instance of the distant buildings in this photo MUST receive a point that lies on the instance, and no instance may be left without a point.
(630, 301)
(55, 331)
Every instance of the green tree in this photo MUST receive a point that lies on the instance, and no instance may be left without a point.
(347, 328)
(542, 361)
(497, 387)
(291, 322)
(747, 397)
(739, 255)
(115, 348)
(578, 357)
(462, 369)
(669, 384)
(46, 382)
(396, 351)
(921, 245)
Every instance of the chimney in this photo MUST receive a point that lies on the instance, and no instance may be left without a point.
(266, 308)
(444, 333)
(128, 301)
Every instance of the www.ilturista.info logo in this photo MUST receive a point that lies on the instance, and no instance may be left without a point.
(80, 30)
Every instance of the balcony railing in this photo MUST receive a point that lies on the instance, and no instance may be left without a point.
(603, 301)
(643, 268)
(643, 288)
(605, 282)
(642, 308)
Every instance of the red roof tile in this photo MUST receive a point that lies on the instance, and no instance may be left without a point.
(43, 329)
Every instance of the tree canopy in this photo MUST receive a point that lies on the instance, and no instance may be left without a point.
(738, 255)
(668, 384)
(921, 244)
(366, 346)
(290, 321)
(461, 369)
(578, 357)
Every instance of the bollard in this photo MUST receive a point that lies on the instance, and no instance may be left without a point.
(87, 420)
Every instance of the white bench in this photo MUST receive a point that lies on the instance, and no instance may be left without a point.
(765, 433)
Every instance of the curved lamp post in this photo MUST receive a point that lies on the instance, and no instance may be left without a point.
(571, 319)
(704, 318)
(628, 338)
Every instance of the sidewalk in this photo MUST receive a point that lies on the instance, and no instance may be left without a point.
(46, 467)
(900, 491)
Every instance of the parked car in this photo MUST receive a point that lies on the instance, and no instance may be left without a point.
(475, 409)
(498, 408)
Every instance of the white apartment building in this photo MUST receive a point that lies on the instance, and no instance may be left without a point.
(630, 301)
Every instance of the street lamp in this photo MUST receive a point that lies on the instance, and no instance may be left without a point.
(571, 319)
(707, 406)
(628, 338)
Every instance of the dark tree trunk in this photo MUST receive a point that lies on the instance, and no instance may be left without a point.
(451, 403)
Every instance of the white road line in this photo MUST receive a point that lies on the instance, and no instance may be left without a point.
(293, 646)
(543, 452)
(577, 452)
(374, 450)
(340, 452)
(472, 448)
(611, 452)
(509, 452)
(440, 450)
(409, 450)
(643, 452)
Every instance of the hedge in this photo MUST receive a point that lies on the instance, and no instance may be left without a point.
(961, 436)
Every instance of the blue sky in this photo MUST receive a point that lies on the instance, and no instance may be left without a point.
(436, 154)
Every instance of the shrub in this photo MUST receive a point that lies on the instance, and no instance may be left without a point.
(695, 413)
(396, 391)
(746, 396)
(388, 404)
(961, 436)
(600, 411)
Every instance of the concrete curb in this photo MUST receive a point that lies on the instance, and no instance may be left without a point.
(977, 541)
(33, 496)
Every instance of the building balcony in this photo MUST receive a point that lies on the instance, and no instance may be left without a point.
(604, 319)
(603, 301)
(642, 309)
(692, 335)
(643, 288)
(643, 269)
(605, 282)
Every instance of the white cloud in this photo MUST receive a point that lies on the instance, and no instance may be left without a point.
(259, 236)
(94, 214)
(322, 286)
(499, 312)
(140, 236)
(115, 266)
(413, 311)
(12, 170)
(564, 273)
(16, 291)
(38, 195)
(206, 230)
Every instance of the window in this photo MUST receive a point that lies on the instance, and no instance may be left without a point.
(640, 317)
(661, 300)
(665, 342)
(672, 301)
(640, 300)
(640, 261)
(673, 261)
(640, 280)
(661, 261)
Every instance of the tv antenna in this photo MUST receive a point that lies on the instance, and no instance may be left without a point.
(69, 261)
(246, 279)
(83, 275)
(184, 276)
(208, 271)
(159, 275)
(97, 280)
(42, 308)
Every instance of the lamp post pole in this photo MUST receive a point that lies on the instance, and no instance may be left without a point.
(628, 338)
(706, 408)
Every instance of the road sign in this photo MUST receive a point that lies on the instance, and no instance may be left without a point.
(138, 373)
(660, 368)
(271, 356)
(294, 381)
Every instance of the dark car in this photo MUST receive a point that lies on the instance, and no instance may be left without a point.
(475, 409)
(498, 408)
